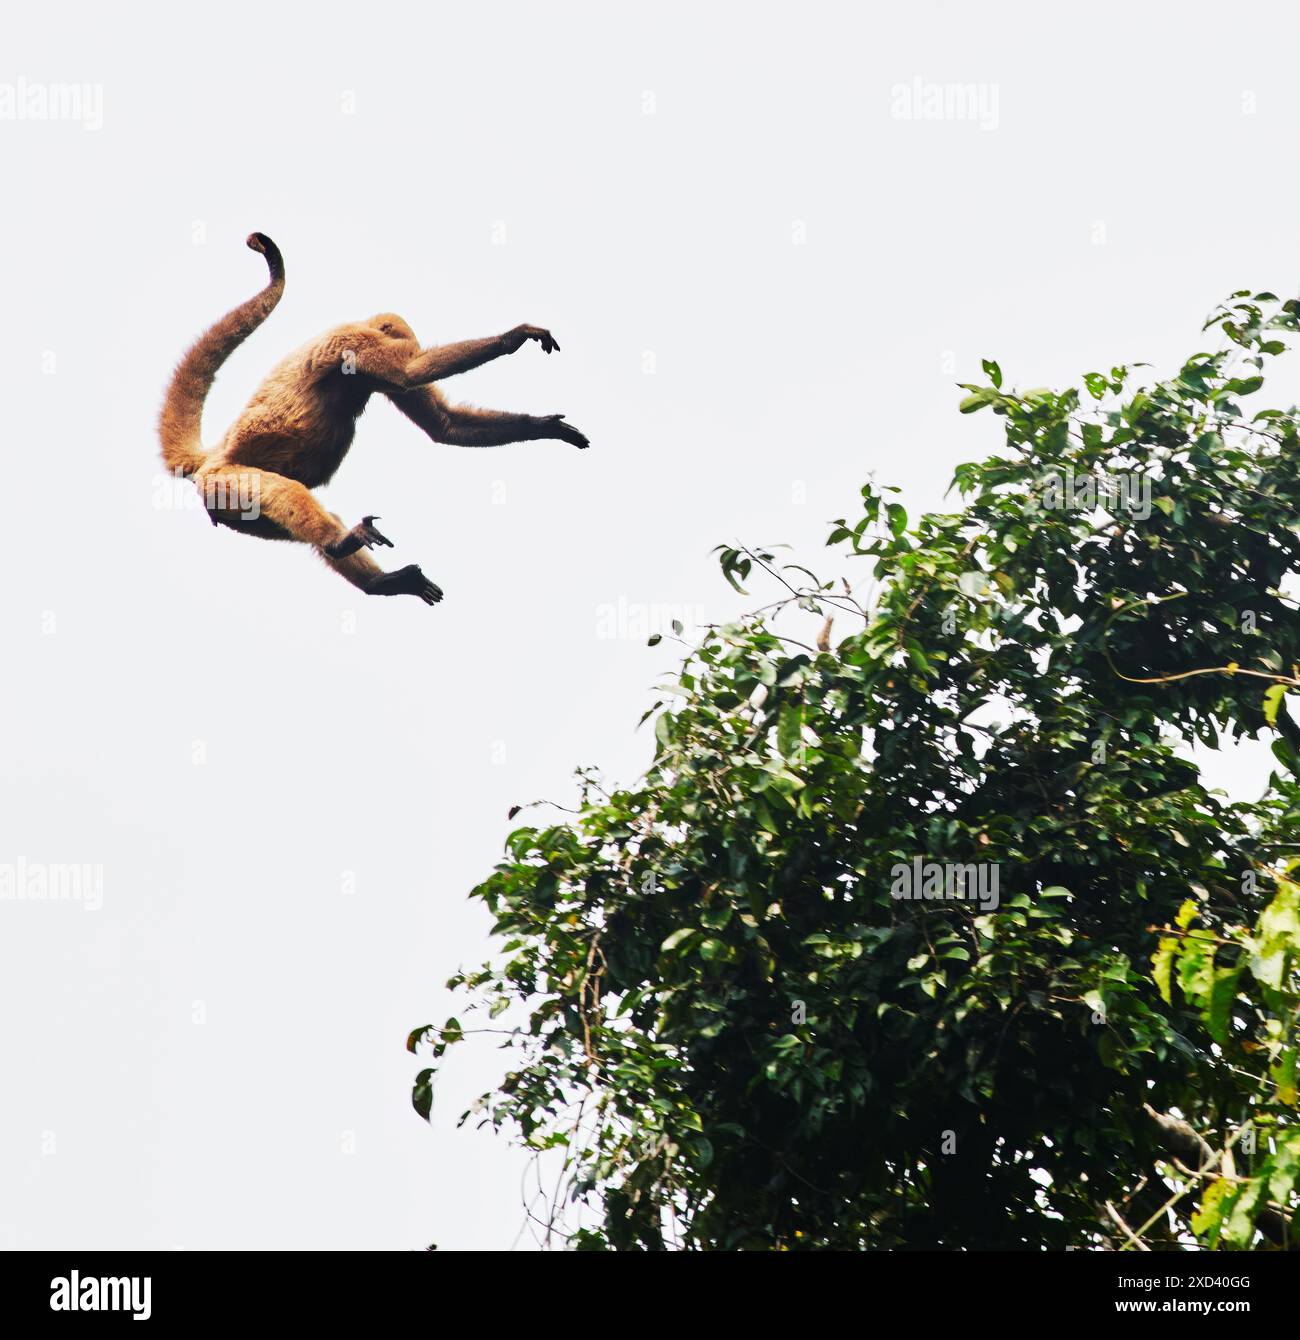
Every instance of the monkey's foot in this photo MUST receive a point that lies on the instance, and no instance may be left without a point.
(565, 432)
(407, 581)
(363, 533)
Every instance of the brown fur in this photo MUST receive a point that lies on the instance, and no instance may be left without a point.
(295, 431)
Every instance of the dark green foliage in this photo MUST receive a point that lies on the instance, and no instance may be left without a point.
(743, 1040)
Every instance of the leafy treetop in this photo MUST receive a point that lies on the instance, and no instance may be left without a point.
(715, 1006)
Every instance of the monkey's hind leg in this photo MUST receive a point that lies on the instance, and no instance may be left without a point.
(243, 497)
(362, 534)
(261, 502)
(356, 566)
(407, 581)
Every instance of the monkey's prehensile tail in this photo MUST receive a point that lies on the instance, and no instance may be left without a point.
(182, 411)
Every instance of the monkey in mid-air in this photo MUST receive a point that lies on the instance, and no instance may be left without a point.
(296, 430)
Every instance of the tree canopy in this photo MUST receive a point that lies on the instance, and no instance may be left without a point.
(716, 998)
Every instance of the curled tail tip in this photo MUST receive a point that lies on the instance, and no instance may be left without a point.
(260, 242)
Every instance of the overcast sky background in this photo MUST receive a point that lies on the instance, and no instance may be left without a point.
(766, 283)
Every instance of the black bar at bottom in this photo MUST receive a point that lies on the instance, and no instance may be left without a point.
(335, 1288)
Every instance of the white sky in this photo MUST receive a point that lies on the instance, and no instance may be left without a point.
(809, 276)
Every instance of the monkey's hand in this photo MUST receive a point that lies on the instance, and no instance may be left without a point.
(565, 432)
(363, 533)
(515, 338)
(407, 581)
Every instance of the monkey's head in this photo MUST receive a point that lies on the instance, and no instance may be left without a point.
(389, 323)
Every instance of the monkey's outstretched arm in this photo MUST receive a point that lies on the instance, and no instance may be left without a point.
(447, 360)
(464, 426)
(401, 364)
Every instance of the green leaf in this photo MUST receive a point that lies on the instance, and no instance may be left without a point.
(1272, 701)
(976, 400)
(422, 1093)
(789, 728)
(1222, 994)
(1162, 963)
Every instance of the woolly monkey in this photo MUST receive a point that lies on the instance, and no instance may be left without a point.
(295, 431)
